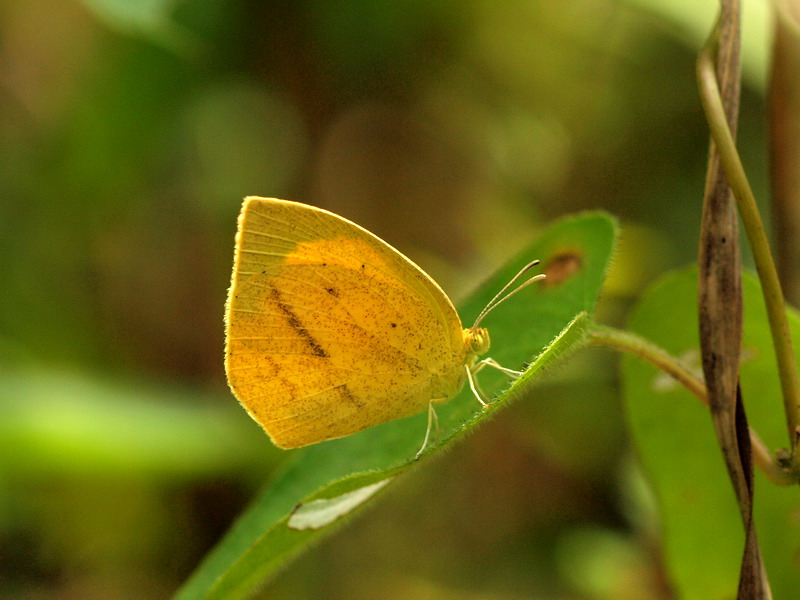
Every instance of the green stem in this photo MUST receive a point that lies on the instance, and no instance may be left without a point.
(609, 337)
(748, 210)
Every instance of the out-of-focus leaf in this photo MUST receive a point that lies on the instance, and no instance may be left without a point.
(702, 531)
(70, 423)
(692, 20)
(151, 18)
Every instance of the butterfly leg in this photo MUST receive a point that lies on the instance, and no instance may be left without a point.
(474, 385)
(433, 423)
(477, 367)
(490, 362)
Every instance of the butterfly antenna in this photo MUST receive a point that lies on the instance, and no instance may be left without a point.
(499, 298)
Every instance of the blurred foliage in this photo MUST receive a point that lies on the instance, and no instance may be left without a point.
(454, 130)
(687, 470)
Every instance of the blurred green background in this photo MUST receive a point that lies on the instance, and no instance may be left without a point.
(455, 130)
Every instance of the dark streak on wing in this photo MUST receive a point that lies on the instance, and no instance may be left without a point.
(348, 395)
(295, 324)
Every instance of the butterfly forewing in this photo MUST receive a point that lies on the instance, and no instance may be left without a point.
(329, 329)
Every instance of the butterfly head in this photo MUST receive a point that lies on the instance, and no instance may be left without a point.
(476, 340)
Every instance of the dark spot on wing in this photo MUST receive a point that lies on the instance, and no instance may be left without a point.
(295, 324)
(394, 325)
(333, 292)
(348, 395)
(269, 366)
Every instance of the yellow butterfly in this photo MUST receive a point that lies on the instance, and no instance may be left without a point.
(330, 330)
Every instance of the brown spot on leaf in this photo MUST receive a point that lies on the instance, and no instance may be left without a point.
(561, 267)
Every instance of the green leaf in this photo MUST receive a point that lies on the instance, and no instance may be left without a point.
(691, 21)
(552, 316)
(70, 423)
(702, 529)
(150, 18)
